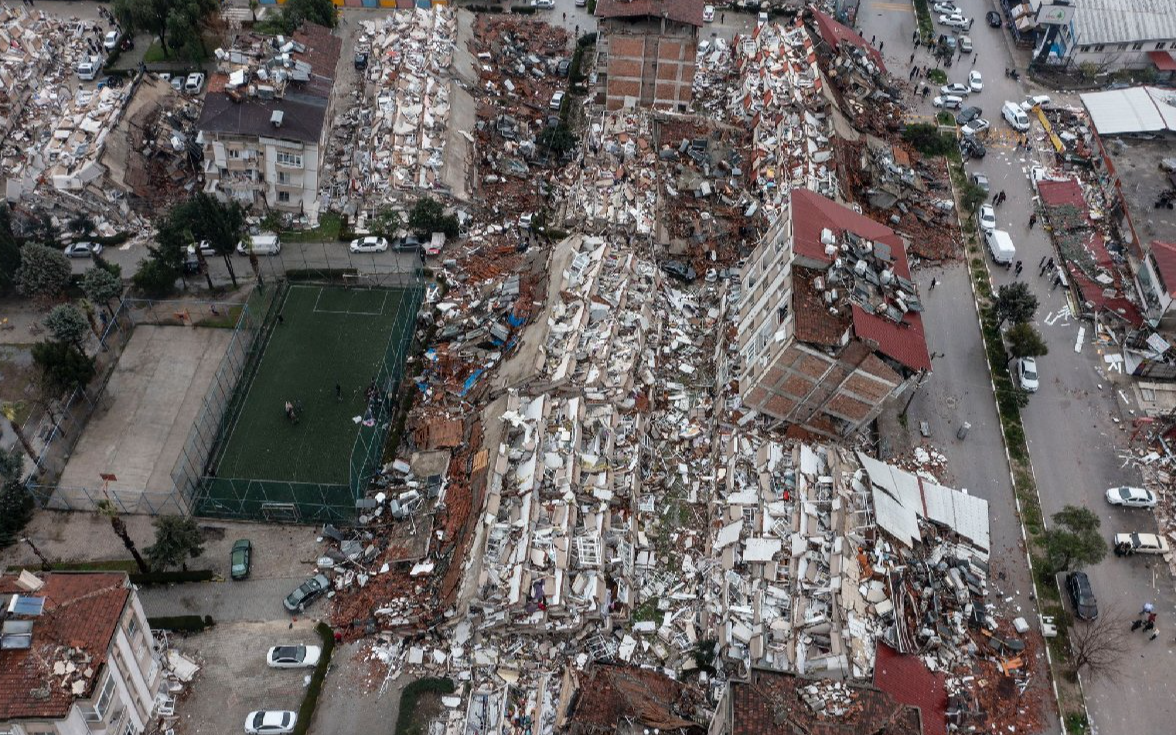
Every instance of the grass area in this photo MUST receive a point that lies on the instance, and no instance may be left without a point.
(419, 703)
(155, 53)
(330, 225)
(923, 13)
(226, 320)
(109, 565)
(17, 371)
(329, 336)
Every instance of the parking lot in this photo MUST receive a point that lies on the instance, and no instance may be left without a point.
(234, 679)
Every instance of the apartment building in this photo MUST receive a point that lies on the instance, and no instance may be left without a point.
(76, 656)
(264, 126)
(829, 319)
(647, 51)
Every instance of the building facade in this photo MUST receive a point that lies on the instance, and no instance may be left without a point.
(647, 50)
(829, 324)
(263, 127)
(1123, 34)
(76, 656)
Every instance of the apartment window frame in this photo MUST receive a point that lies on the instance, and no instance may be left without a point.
(283, 197)
(98, 711)
(1137, 47)
(1099, 47)
(233, 154)
(136, 635)
(1161, 45)
(288, 159)
(284, 178)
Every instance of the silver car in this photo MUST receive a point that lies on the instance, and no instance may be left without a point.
(307, 592)
(293, 657)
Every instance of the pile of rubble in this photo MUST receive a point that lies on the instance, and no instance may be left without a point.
(614, 189)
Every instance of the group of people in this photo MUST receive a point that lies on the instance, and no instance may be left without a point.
(1146, 620)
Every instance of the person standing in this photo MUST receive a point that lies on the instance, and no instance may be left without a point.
(338, 393)
(1019, 268)
(1032, 220)
(934, 283)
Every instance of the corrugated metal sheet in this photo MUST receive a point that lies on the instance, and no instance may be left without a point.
(1124, 21)
(897, 520)
(1134, 110)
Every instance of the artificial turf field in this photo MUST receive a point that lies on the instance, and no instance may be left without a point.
(327, 335)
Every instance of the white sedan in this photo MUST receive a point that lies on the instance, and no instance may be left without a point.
(1131, 497)
(988, 221)
(293, 657)
(975, 81)
(270, 722)
(110, 40)
(708, 13)
(975, 127)
(945, 8)
(1142, 543)
(1027, 374)
(369, 244)
(83, 250)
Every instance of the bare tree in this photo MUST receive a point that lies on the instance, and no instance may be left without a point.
(1097, 647)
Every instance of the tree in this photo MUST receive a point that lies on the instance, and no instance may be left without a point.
(167, 20)
(16, 510)
(11, 465)
(1015, 303)
(43, 273)
(177, 539)
(253, 6)
(9, 253)
(1073, 540)
(81, 225)
(1097, 646)
(63, 366)
(10, 411)
(201, 218)
(972, 197)
(67, 324)
(926, 139)
(428, 216)
(294, 12)
(155, 277)
(1025, 341)
(387, 222)
(559, 139)
(106, 508)
(101, 286)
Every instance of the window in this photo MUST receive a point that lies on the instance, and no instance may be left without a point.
(1099, 47)
(1148, 394)
(1122, 47)
(234, 154)
(1137, 47)
(1161, 46)
(101, 707)
(781, 314)
(294, 160)
(284, 197)
(135, 635)
(1084, 48)
(283, 177)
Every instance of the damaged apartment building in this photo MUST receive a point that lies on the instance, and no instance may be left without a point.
(646, 52)
(829, 324)
(264, 123)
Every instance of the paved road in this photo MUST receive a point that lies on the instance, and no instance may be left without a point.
(251, 600)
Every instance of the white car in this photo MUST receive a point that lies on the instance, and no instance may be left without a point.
(1131, 497)
(270, 722)
(956, 89)
(543, 4)
(708, 13)
(110, 40)
(975, 81)
(556, 100)
(194, 83)
(293, 657)
(761, 20)
(83, 250)
(956, 21)
(975, 127)
(948, 102)
(945, 8)
(205, 247)
(369, 244)
(987, 218)
(1037, 100)
(1143, 543)
(966, 44)
(1027, 374)
(88, 70)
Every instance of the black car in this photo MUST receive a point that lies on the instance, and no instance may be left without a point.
(307, 593)
(408, 243)
(679, 270)
(993, 19)
(361, 60)
(1082, 596)
(967, 115)
(972, 148)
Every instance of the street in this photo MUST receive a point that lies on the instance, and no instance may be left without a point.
(1077, 424)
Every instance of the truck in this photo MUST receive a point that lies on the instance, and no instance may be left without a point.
(1000, 245)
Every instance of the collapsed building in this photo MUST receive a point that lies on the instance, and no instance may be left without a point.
(829, 325)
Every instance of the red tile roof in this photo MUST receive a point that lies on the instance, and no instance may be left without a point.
(1059, 193)
(834, 33)
(1164, 254)
(82, 611)
(812, 213)
(770, 704)
(909, 681)
(814, 322)
(682, 11)
(608, 695)
(903, 341)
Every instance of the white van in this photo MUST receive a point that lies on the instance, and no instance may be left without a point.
(1000, 245)
(88, 69)
(1015, 116)
(267, 243)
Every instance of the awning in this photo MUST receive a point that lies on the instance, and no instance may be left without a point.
(1163, 60)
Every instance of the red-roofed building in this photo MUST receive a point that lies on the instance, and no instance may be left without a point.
(834, 33)
(829, 323)
(909, 681)
(647, 51)
(80, 658)
(1157, 282)
(629, 700)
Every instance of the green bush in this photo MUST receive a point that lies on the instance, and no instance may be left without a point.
(413, 692)
(927, 139)
(194, 575)
(319, 274)
(587, 39)
(182, 623)
(315, 688)
(522, 10)
(937, 76)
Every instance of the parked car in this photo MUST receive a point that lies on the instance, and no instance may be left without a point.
(682, 271)
(1036, 100)
(966, 44)
(1131, 497)
(293, 657)
(110, 40)
(967, 115)
(948, 102)
(708, 13)
(975, 81)
(1027, 374)
(957, 89)
(270, 722)
(980, 180)
(83, 250)
(543, 4)
(265, 243)
(241, 558)
(194, 83)
(205, 247)
(948, 42)
(993, 19)
(945, 8)
(987, 218)
(88, 69)
(360, 61)
(556, 100)
(1143, 543)
(956, 21)
(307, 592)
(975, 127)
(408, 242)
(1082, 596)
(369, 244)
(761, 20)
(972, 147)
(1015, 116)
(562, 68)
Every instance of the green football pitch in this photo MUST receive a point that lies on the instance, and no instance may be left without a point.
(326, 336)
